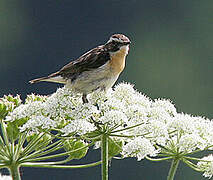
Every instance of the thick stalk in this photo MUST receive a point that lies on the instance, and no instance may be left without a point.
(14, 172)
(173, 169)
(104, 156)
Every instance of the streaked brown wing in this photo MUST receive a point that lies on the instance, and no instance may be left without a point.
(88, 61)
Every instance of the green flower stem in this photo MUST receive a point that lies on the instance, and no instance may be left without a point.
(12, 149)
(195, 159)
(3, 166)
(3, 154)
(4, 134)
(1, 142)
(104, 156)
(158, 159)
(124, 129)
(173, 169)
(33, 143)
(199, 150)
(59, 155)
(49, 165)
(118, 135)
(190, 164)
(165, 150)
(91, 138)
(14, 172)
(19, 146)
(3, 158)
(51, 148)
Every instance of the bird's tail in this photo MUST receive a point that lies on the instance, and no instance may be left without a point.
(51, 78)
(38, 80)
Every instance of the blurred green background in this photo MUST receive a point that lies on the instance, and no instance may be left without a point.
(171, 56)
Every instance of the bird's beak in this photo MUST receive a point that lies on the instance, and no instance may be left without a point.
(127, 43)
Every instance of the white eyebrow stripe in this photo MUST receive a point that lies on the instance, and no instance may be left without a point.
(115, 39)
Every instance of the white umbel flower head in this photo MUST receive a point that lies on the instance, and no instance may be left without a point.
(38, 121)
(132, 118)
(166, 105)
(189, 142)
(140, 148)
(206, 165)
(190, 133)
(79, 127)
(126, 93)
(26, 110)
(113, 118)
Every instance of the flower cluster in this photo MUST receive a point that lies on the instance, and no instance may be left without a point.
(5, 177)
(144, 127)
(206, 165)
(140, 147)
(8, 104)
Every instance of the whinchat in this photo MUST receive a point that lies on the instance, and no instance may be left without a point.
(99, 68)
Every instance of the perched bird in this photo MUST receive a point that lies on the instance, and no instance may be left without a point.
(99, 68)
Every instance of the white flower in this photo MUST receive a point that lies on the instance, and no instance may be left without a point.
(204, 128)
(155, 122)
(113, 118)
(99, 96)
(26, 110)
(62, 103)
(78, 126)
(10, 102)
(5, 177)
(32, 97)
(190, 133)
(137, 113)
(166, 105)
(190, 142)
(85, 111)
(206, 165)
(140, 148)
(158, 113)
(111, 103)
(157, 131)
(125, 92)
(97, 145)
(38, 121)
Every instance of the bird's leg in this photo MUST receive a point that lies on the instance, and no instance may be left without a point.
(84, 98)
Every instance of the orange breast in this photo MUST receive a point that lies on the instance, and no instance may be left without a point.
(117, 61)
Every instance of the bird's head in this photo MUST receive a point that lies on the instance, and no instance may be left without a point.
(117, 42)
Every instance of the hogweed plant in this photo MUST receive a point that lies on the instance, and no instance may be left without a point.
(121, 122)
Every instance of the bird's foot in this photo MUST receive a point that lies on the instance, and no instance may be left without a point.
(84, 98)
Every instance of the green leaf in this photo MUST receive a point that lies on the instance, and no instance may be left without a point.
(13, 128)
(32, 97)
(3, 110)
(71, 145)
(16, 100)
(43, 141)
(12, 131)
(115, 147)
(20, 122)
(94, 134)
